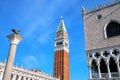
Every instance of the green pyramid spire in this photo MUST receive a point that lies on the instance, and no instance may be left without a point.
(61, 26)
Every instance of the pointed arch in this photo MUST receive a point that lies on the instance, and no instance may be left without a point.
(17, 77)
(11, 77)
(112, 28)
(94, 67)
(103, 66)
(22, 78)
(113, 65)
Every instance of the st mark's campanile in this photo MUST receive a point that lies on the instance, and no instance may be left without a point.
(61, 53)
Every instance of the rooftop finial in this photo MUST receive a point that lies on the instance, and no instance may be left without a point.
(107, 4)
(83, 10)
(61, 26)
(93, 9)
(61, 17)
(116, 1)
(100, 6)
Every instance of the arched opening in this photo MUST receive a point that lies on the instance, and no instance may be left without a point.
(17, 77)
(22, 78)
(94, 69)
(11, 76)
(113, 29)
(113, 68)
(103, 66)
(113, 65)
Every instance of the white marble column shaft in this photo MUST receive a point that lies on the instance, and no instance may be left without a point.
(90, 72)
(28, 78)
(9, 65)
(14, 40)
(19, 77)
(109, 74)
(24, 78)
(118, 68)
(14, 77)
(1, 75)
(99, 71)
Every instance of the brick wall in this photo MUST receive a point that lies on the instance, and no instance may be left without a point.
(61, 65)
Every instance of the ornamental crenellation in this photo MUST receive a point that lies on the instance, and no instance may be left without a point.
(100, 6)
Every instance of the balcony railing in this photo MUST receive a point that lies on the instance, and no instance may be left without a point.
(106, 75)
(115, 74)
(95, 75)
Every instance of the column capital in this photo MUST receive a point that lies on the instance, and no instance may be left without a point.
(89, 64)
(98, 63)
(19, 77)
(117, 61)
(14, 38)
(107, 63)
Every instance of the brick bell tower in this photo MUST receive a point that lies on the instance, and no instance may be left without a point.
(61, 53)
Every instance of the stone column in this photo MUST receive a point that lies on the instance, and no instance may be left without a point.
(19, 77)
(90, 72)
(1, 75)
(14, 77)
(14, 40)
(40, 78)
(118, 67)
(99, 71)
(24, 78)
(33, 79)
(109, 74)
(28, 78)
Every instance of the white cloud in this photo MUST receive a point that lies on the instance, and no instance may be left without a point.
(34, 61)
(41, 25)
(30, 61)
(45, 36)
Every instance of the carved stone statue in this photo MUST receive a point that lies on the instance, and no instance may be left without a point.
(15, 31)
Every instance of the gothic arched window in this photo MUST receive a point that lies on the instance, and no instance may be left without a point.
(113, 29)
(94, 69)
(94, 66)
(103, 66)
(113, 65)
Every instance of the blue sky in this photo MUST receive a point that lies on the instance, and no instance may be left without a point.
(38, 21)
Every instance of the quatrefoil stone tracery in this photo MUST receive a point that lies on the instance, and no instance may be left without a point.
(106, 53)
(97, 55)
(115, 52)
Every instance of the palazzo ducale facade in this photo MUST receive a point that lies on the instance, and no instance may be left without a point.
(102, 41)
